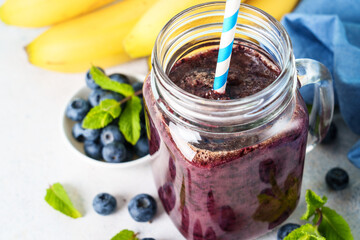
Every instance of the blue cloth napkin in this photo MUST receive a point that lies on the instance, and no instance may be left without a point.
(329, 31)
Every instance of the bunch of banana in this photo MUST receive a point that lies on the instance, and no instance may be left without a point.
(105, 37)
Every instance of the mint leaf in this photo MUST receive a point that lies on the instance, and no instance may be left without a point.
(333, 226)
(125, 235)
(313, 202)
(101, 115)
(96, 118)
(57, 197)
(129, 122)
(305, 232)
(106, 83)
(111, 106)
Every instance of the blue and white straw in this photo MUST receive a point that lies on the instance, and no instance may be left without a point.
(226, 45)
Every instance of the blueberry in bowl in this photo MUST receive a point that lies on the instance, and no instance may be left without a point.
(106, 145)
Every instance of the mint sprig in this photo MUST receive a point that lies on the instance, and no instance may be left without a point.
(129, 122)
(109, 109)
(106, 83)
(57, 197)
(125, 235)
(328, 224)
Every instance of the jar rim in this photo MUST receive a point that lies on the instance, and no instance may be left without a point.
(242, 113)
(238, 101)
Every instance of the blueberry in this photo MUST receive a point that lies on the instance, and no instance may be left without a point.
(95, 96)
(330, 135)
(90, 81)
(104, 204)
(148, 239)
(129, 151)
(110, 134)
(81, 134)
(93, 149)
(143, 132)
(77, 109)
(137, 86)
(77, 132)
(111, 95)
(115, 153)
(286, 230)
(337, 179)
(120, 78)
(141, 148)
(115, 122)
(142, 208)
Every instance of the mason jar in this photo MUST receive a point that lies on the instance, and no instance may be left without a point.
(232, 169)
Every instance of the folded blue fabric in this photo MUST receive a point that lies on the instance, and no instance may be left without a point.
(354, 154)
(329, 31)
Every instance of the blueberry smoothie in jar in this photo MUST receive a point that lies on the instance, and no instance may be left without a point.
(234, 186)
(229, 166)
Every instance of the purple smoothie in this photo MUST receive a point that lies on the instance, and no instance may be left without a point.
(229, 189)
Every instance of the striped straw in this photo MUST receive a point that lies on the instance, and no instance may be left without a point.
(226, 45)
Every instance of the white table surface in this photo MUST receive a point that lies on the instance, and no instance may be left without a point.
(34, 154)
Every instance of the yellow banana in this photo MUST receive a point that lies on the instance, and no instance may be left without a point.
(39, 13)
(95, 38)
(141, 39)
(276, 8)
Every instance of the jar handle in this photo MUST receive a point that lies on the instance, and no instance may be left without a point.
(313, 72)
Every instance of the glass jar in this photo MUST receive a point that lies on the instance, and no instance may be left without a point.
(231, 169)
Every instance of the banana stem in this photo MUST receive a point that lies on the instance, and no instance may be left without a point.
(129, 97)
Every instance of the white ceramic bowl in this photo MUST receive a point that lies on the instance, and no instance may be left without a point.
(79, 147)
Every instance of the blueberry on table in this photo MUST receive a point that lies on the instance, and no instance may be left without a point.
(111, 95)
(95, 96)
(77, 109)
(93, 149)
(81, 134)
(115, 153)
(331, 134)
(286, 230)
(90, 81)
(104, 204)
(110, 134)
(141, 148)
(337, 179)
(142, 208)
(120, 78)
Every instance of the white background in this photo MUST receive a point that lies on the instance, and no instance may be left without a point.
(34, 153)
